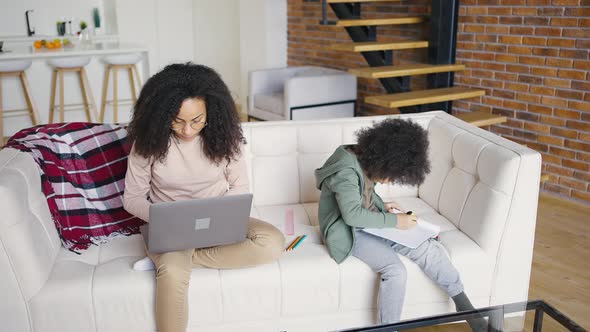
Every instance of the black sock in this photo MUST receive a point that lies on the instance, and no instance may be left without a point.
(462, 303)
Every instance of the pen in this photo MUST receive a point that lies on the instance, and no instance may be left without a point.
(293, 243)
(299, 242)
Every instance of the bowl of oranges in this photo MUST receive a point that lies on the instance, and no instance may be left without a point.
(52, 44)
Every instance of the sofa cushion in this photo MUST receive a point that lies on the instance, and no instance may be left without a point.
(102, 279)
(271, 102)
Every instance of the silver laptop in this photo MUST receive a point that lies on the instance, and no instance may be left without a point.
(197, 223)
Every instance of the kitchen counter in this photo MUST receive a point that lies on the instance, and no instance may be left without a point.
(21, 52)
(20, 39)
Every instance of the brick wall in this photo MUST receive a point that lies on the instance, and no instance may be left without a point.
(531, 56)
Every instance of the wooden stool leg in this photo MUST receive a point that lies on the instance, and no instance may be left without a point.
(89, 93)
(33, 113)
(138, 77)
(52, 95)
(105, 87)
(84, 96)
(115, 110)
(132, 82)
(1, 116)
(61, 96)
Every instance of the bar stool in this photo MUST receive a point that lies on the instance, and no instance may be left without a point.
(113, 63)
(76, 65)
(17, 68)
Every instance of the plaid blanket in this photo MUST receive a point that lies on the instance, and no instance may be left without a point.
(82, 168)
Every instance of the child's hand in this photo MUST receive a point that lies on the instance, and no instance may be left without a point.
(406, 221)
(393, 207)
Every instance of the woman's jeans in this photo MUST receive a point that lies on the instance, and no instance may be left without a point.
(381, 255)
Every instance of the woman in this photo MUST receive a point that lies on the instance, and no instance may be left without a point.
(187, 145)
(392, 151)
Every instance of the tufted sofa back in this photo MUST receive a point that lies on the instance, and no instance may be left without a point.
(282, 157)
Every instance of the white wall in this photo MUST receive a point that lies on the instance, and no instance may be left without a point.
(46, 14)
(263, 37)
(235, 37)
(165, 26)
(217, 39)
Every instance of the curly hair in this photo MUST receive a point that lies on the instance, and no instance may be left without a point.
(159, 103)
(394, 149)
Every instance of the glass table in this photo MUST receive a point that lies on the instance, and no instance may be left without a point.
(496, 316)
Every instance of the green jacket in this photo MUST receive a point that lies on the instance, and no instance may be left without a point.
(341, 181)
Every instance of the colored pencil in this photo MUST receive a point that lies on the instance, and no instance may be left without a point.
(293, 243)
(299, 242)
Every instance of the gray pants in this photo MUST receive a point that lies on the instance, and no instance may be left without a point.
(381, 255)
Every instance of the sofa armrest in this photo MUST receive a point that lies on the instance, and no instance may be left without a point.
(267, 81)
(512, 272)
(28, 240)
(488, 187)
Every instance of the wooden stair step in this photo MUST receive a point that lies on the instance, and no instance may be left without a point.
(379, 46)
(381, 21)
(481, 119)
(404, 70)
(341, 1)
(423, 97)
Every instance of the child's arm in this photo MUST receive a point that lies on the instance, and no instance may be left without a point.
(344, 185)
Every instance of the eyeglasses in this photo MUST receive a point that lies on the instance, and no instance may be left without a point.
(194, 125)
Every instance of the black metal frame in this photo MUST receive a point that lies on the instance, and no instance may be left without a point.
(495, 318)
(441, 48)
(352, 101)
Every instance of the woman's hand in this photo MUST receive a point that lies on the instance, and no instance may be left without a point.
(406, 221)
(393, 207)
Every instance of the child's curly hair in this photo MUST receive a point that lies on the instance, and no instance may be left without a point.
(159, 103)
(395, 150)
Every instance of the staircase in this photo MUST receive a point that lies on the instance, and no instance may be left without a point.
(395, 79)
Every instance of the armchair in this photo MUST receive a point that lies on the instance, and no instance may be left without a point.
(301, 93)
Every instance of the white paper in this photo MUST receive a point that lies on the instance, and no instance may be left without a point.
(410, 238)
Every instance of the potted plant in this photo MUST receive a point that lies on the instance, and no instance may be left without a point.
(84, 34)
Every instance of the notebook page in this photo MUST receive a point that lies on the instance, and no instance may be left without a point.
(410, 238)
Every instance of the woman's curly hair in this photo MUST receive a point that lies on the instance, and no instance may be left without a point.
(394, 149)
(159, 103)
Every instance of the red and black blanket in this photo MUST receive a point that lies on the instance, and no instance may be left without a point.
(82, 168)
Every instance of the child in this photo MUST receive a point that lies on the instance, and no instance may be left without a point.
(392, 151)
(186, 145)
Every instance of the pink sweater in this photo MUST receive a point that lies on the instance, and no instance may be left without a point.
(186, 173)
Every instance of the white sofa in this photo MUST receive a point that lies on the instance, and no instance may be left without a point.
(482, 191)
(301, 93)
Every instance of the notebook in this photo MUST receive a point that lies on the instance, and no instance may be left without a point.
(410, 238)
